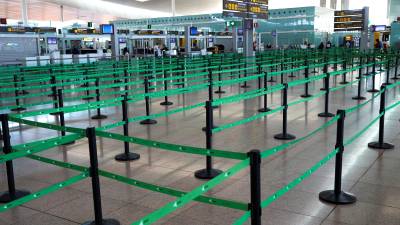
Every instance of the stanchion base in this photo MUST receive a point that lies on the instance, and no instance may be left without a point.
(373, 91)
(69, 143)
(55, 113)
(387, 83)
(271, 81)
(358, 98)
(395, 78)
(127, 157)
(285, 137)
(18, 109)
(204, 128)
(148, 122)
(220, 92)
(326, 114)
(305, 96)
(207, 174)
(88, 98)
(166, 103)
(99, 117)
(24, 92)
(291, 76)
(5, 197)
(322, 89)
(245, 86)
(264, 110)
(377, 145)
(341, 199)
(104, 222)
(344, 82)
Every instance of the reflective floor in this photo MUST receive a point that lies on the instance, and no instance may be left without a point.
(371, 175)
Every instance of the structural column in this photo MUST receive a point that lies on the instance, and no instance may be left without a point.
(24, 12)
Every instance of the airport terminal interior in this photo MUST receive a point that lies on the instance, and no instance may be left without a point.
(200, 112)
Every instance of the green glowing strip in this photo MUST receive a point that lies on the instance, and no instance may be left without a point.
(44, 192)
(319, 94)
(5, 90)
(58, 163)
(27, 105)
(359, 106)
(173, 147)
(354, 137)
(27, 96)
(289, 187)
(392, 106)
(173, 192)
(307, 80)
(28, 149)
(180, 202)
(246, 120)
(47, 126)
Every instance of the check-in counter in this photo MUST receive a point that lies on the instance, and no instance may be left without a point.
(81, 59)
(66, 59)
(93, 57)
(31, 61)
(44, 60)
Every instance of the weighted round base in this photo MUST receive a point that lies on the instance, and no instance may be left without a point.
(305, 96)
(264, 110)
(245, 86)
(69, 143)
(166, 103)
(19, 109)
(291, 76)
(204, 128)
(214, 107)
(88, 98)
(55, 113)
(322, 89)
(127, 157)
(373, 91)
(220, 92)
(326, 114)
(5, 197)
(395, 78)
(358, 98)
(148, 122)
(207, 174)
(285, 137)
(377, 145)
(104, 222)
(99, 117)
(341, 199)
(357, 78)
(24, 92)
(272, 81)
(344, 82)
(387, 83)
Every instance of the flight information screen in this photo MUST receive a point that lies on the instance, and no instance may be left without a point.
(257, 9)
(349, 20)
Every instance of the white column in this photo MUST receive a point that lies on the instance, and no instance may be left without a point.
(24, 12)
(173, 8)
(345, 4)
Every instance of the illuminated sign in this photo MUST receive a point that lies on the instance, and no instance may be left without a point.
(349, 20)
(246, 8)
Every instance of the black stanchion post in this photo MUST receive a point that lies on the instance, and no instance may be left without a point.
(99, 116)
(211, 87)
(306, 75)
(396, 67)
(166, 101)
(326, 112)
(219, 91)
(259, 71)
(265, 98)
(337, 196)
(127, 155)
(147, 102)
(360, 79)
(208, 172)
(87, 85)
(281, 70)
(388, 73)
(373, 89)
(255, 187)
(16, 95)
(12, 193)
(325, 71)
(61, 114)
(284, 135)
(94, 174)
(54, 94)
(381, 144)
(344, 75)
(245, 85)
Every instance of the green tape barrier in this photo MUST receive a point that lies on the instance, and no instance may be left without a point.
(173, 192)
(246, 120)
(319, 94)
(392, 106)
(47, 125)
(33, 148)
(272, 151)
(180, 202)
(44, 192)
(359, 106)
(173, 147)
(290, 186)
(354, 137)
(27, 96)
(26, 105)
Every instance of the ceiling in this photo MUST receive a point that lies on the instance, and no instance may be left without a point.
(102, 11)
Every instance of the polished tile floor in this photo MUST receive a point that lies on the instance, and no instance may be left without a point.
(370, 174)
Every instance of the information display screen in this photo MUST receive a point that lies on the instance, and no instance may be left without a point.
(349, 20)
(246, 8)
(107, 29)
(52, 40)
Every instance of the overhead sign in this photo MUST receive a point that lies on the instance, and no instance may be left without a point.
(232, 23)
(255, 9)
(349, 20)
